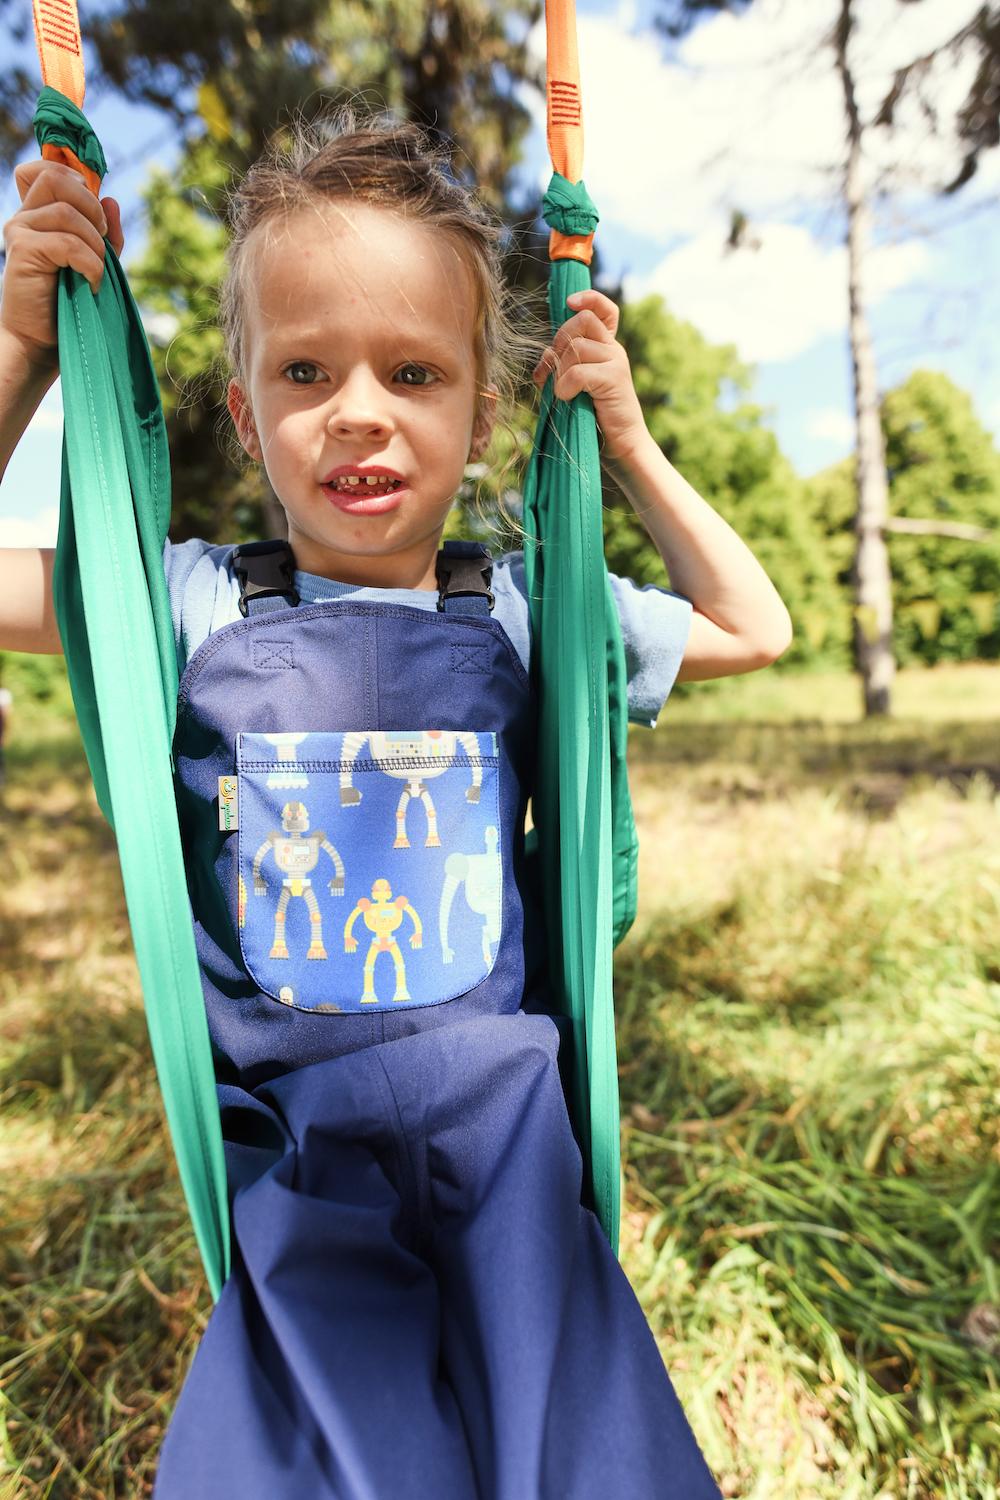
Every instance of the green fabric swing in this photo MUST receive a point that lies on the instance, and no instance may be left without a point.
(114, 621)
(582, 810)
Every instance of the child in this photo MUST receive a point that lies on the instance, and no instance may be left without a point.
(418, 1305)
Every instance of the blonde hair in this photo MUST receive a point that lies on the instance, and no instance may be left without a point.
(354, 153)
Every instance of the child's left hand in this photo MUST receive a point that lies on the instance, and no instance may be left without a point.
(586, 356)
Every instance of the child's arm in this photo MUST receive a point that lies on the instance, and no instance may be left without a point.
(739, 622)
(60, 223)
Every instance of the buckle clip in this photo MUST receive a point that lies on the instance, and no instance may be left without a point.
(464, 577)
(264, 570)
(486, 594)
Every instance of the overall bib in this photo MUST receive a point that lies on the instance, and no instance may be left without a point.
(418, 1306)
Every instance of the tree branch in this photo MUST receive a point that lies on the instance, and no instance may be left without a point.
(958, 529)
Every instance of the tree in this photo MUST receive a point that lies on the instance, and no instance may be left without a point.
(976, 127)
(944, 522)
(944, 474)
(452, 65)
(871, 580)
(977, 121)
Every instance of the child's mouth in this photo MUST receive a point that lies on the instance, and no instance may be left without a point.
(362, 498)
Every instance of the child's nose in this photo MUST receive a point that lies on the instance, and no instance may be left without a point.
(361, 405)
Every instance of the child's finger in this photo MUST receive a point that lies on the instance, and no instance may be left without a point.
(546, 364)
(113, 214)
(596, 302)
(584, 325)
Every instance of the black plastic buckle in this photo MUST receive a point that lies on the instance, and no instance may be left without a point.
(465, 578)
(263, 570)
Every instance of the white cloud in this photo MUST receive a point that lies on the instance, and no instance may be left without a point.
(772, 302)
(36, 531)
(830, 424)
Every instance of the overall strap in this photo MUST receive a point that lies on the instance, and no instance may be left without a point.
(266, 575)
(464, 574)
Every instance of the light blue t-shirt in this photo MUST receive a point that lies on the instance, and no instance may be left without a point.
(204, 596)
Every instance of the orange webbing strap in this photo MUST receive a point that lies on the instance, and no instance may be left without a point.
(57, 33)
(565, 117)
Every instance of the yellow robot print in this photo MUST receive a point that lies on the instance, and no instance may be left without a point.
(296, 854)
(413, 757)
(382, 916)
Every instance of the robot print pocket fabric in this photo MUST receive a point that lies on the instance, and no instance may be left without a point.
(370, 870)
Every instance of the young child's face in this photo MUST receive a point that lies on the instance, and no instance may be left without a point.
(360, 355)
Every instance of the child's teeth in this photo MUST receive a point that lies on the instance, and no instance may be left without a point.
(381, 482)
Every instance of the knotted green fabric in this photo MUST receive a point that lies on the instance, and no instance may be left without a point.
(58, 122)
(583, 813)
(114, 620)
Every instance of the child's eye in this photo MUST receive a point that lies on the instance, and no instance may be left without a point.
(419, 371)
(300, 364)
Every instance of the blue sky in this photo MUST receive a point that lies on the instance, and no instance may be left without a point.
(744, 113)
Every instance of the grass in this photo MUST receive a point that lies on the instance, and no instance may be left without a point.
(810, 1052)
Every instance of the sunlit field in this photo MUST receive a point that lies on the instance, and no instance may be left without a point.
(809, 1038)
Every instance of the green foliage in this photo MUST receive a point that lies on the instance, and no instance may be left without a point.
(693, 396)
(177, 279)
(943, 466)
(36, 680)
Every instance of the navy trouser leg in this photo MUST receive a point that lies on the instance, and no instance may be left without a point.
(558, 1377)
(318, 1373)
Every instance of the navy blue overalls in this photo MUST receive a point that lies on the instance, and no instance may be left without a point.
(419, 1306)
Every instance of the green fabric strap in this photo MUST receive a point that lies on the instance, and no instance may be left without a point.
(583, 813)
(114, 619)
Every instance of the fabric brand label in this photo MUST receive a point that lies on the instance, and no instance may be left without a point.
(229, 803)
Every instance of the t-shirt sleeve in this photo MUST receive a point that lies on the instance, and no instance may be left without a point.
(655, 625)
(201, 591)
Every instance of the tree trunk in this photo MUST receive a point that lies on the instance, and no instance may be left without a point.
(871, 577)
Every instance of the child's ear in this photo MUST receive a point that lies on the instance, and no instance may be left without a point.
(482, 427)
(239, 410)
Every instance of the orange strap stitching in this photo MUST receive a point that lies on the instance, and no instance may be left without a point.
(564, 123)
(57, 35)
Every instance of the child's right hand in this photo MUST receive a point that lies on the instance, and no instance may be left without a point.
(60, 223)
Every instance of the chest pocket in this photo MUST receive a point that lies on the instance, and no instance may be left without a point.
(370, 866)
